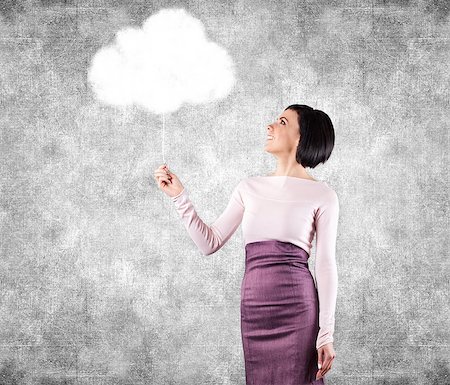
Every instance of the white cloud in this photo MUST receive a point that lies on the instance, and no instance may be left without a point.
(167, 62)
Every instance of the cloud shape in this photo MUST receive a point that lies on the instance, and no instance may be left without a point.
(167, 62)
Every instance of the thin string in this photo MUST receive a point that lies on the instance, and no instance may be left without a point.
(164, 157)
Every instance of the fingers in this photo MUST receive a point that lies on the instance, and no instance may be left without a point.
(325, 359)
(162, 176)
(163, 181)
(163, 167)
(326, 364)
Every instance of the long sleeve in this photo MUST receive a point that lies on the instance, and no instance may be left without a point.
(325, 266)
(209, 239)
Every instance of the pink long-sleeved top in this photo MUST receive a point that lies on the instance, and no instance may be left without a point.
(285, 208)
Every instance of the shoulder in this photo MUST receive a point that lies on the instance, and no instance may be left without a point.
(244, 182)
(248, 184)
(329, 202)
(329, 194)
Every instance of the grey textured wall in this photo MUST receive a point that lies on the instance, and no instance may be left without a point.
(100, 283)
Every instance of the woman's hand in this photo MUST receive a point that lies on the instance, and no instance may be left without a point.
(167, 181)
(326, 356)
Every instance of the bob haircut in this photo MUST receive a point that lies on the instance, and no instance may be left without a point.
(316, 135)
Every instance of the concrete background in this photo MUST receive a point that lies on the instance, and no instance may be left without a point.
(100, 283)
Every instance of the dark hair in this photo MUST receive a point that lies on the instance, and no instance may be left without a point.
(316, 135)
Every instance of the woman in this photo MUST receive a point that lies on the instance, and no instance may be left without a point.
(287, 323)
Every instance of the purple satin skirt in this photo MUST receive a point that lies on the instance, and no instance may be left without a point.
(279, 315)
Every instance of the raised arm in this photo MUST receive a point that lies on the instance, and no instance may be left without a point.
(325, 266)
(209, 239)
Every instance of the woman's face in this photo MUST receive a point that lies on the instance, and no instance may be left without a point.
(283, 135)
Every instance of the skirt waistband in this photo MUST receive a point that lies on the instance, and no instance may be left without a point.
(276, 251)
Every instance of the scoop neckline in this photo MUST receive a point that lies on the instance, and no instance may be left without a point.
(292, 177)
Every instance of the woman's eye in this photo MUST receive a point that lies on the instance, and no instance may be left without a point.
(282, 122)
